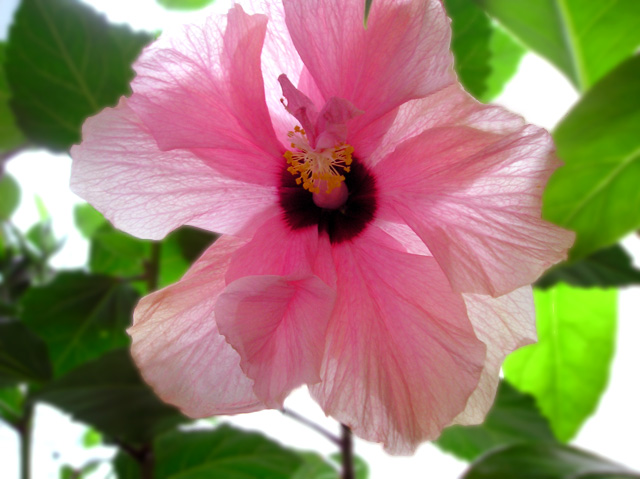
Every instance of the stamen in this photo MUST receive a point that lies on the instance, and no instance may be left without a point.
(323, 167)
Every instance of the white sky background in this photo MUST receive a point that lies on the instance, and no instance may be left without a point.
(538, 92)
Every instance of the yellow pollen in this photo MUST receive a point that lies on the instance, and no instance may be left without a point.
(314, 166)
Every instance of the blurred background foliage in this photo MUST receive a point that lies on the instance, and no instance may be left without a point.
(62, 333)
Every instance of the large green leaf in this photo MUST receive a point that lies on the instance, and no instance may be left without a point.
(545, 461)
(184, 4)
(485, 57)
(596, 193)
(10, 134)
(223, 453)
(23, 355)
(513, 419)
(9, 196)
(80, 317)
(606, 268)
(109, 394)
(583, 38)
(567, 370)
(64, 64)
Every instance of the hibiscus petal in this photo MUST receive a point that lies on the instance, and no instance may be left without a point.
(202, 88)
(146, 192)
(277, 324)
(177, 346)
(276, 249)
(474, 197)
(504, 324)
(402, 54)
(402, 357)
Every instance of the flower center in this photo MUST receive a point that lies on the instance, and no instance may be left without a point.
(319, 171)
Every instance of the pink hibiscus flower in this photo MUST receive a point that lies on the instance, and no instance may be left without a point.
(381, 227)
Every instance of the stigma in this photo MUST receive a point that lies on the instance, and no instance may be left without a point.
(320, 171)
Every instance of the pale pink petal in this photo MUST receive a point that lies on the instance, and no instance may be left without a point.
(278, 325)
(402, 358)
(403, 53)
(146, 192)
(279, 56)
(177, 346)
(504, 324)
(276, 249)
(201, 88)
(451, 106)
(474, 197)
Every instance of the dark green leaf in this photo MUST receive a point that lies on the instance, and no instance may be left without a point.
(109, 394)
(10, 135)
(64, 64)
(584, 39)
(513, 419)
(223, 453)
(596, 193)
(11, 402)
(545, 461)
(193, 241)
(23, 355)
(9, 196)
(87, 219)
(184, 4)
(609, 267)
(80, 317)
(485, 57)
(568, 368)
(126, 467)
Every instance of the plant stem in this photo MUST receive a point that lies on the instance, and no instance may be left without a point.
(24, 428)
(346, 449)
(319, 429)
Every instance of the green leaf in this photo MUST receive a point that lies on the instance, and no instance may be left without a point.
(513, 419)
(10, 135)
(91, 438)
(360, 468)
(596, 193)
(584, 39)
(116, 253)
(41, 236)
(484, 56)
(606, 268)
(88, 220)
(64, 64)
(504, 61)
(367, 11)
(80, 317)
(126, 467)
(23, 355)
(314, 466)
(179, 250)
(184, 4)
(109, 394)
(11, 402)
(222, 453)
(545, 461)
(9, 196)
(567, 370)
